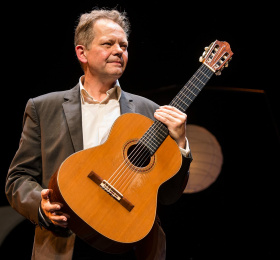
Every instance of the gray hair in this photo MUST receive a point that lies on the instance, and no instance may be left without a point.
(84, 34)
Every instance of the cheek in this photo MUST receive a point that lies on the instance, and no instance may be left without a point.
(125, 57)
(98, 58)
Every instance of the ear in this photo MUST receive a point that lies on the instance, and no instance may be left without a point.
(81, 53)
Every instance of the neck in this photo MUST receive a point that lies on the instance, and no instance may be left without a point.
(97, 88)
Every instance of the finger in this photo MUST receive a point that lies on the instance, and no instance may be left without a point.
(161, 116)
(60, 213)
(171, 108)
(63, 224)
(173, 111)
(169, 117)
(48, 207)
(45, 194)
(60, 220)
(53, 207)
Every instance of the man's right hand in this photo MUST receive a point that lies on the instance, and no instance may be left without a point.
(52, 211)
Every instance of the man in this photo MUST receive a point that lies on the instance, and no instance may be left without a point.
(58, 124)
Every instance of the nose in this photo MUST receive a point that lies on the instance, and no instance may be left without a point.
(117, 50)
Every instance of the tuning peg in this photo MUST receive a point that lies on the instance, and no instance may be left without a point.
(206, 48)
(226, 65)
(201, 59)
(218, 73)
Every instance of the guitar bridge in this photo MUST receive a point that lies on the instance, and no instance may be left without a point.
(111, 190)
(107, 187)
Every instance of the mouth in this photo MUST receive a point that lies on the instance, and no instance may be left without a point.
(117, 62)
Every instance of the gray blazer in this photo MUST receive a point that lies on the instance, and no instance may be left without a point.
(52, 131)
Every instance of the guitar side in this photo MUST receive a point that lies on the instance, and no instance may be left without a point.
(123, 213)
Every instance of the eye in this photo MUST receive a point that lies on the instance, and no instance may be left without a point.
(124, 46)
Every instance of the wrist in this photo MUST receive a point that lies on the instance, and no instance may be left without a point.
(44, 221)
(182, 143)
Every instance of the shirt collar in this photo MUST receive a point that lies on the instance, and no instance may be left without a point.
(112, 93)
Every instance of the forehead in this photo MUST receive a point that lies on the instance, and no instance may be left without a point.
(106, 27)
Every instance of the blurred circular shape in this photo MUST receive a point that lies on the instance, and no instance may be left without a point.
(207, 158)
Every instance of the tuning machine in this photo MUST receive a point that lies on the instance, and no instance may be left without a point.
(218, 72)
(201, 58)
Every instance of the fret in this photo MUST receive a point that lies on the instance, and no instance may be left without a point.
(182, 101)
(154, 137)
(190, 92)
(193, 85)
(198, 80)
(185, 95)
(192, 88)
(181, 107)
(205, 75)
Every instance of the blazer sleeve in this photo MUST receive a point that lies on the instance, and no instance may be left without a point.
(171, 191)
(23, 189)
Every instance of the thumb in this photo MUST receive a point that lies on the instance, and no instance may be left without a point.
(45, 194)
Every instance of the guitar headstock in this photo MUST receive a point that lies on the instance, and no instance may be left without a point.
(217, 56)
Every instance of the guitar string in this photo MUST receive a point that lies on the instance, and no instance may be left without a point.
(195, 87)
(130, 179)
(126, 162)
(135, 173)
(123, 164)
(137, 165)
(192, 88)
(145, 156)
(133, 168)
(133, 164)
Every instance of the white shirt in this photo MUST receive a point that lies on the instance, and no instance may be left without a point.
(99, 116)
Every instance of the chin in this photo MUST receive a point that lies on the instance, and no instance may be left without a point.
(117, 73)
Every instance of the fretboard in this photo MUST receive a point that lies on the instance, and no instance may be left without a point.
(158, 132)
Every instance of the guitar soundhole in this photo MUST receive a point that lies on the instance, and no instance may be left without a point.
(139, 155)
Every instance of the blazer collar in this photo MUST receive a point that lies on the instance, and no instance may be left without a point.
(126, 103)
(73, 113)
(72, 110)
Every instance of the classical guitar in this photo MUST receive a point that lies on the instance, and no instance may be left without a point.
(110, 191)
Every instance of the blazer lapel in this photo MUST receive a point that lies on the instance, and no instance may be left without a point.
(72, 110)
(73, 114)
(126, 103)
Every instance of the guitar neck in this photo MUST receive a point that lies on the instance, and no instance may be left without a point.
(192, 88)
(158, 132)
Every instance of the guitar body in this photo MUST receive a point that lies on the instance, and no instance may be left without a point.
(115, 217)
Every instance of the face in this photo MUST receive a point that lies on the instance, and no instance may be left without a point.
(107, 56)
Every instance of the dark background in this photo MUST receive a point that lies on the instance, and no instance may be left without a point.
(235, 218)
